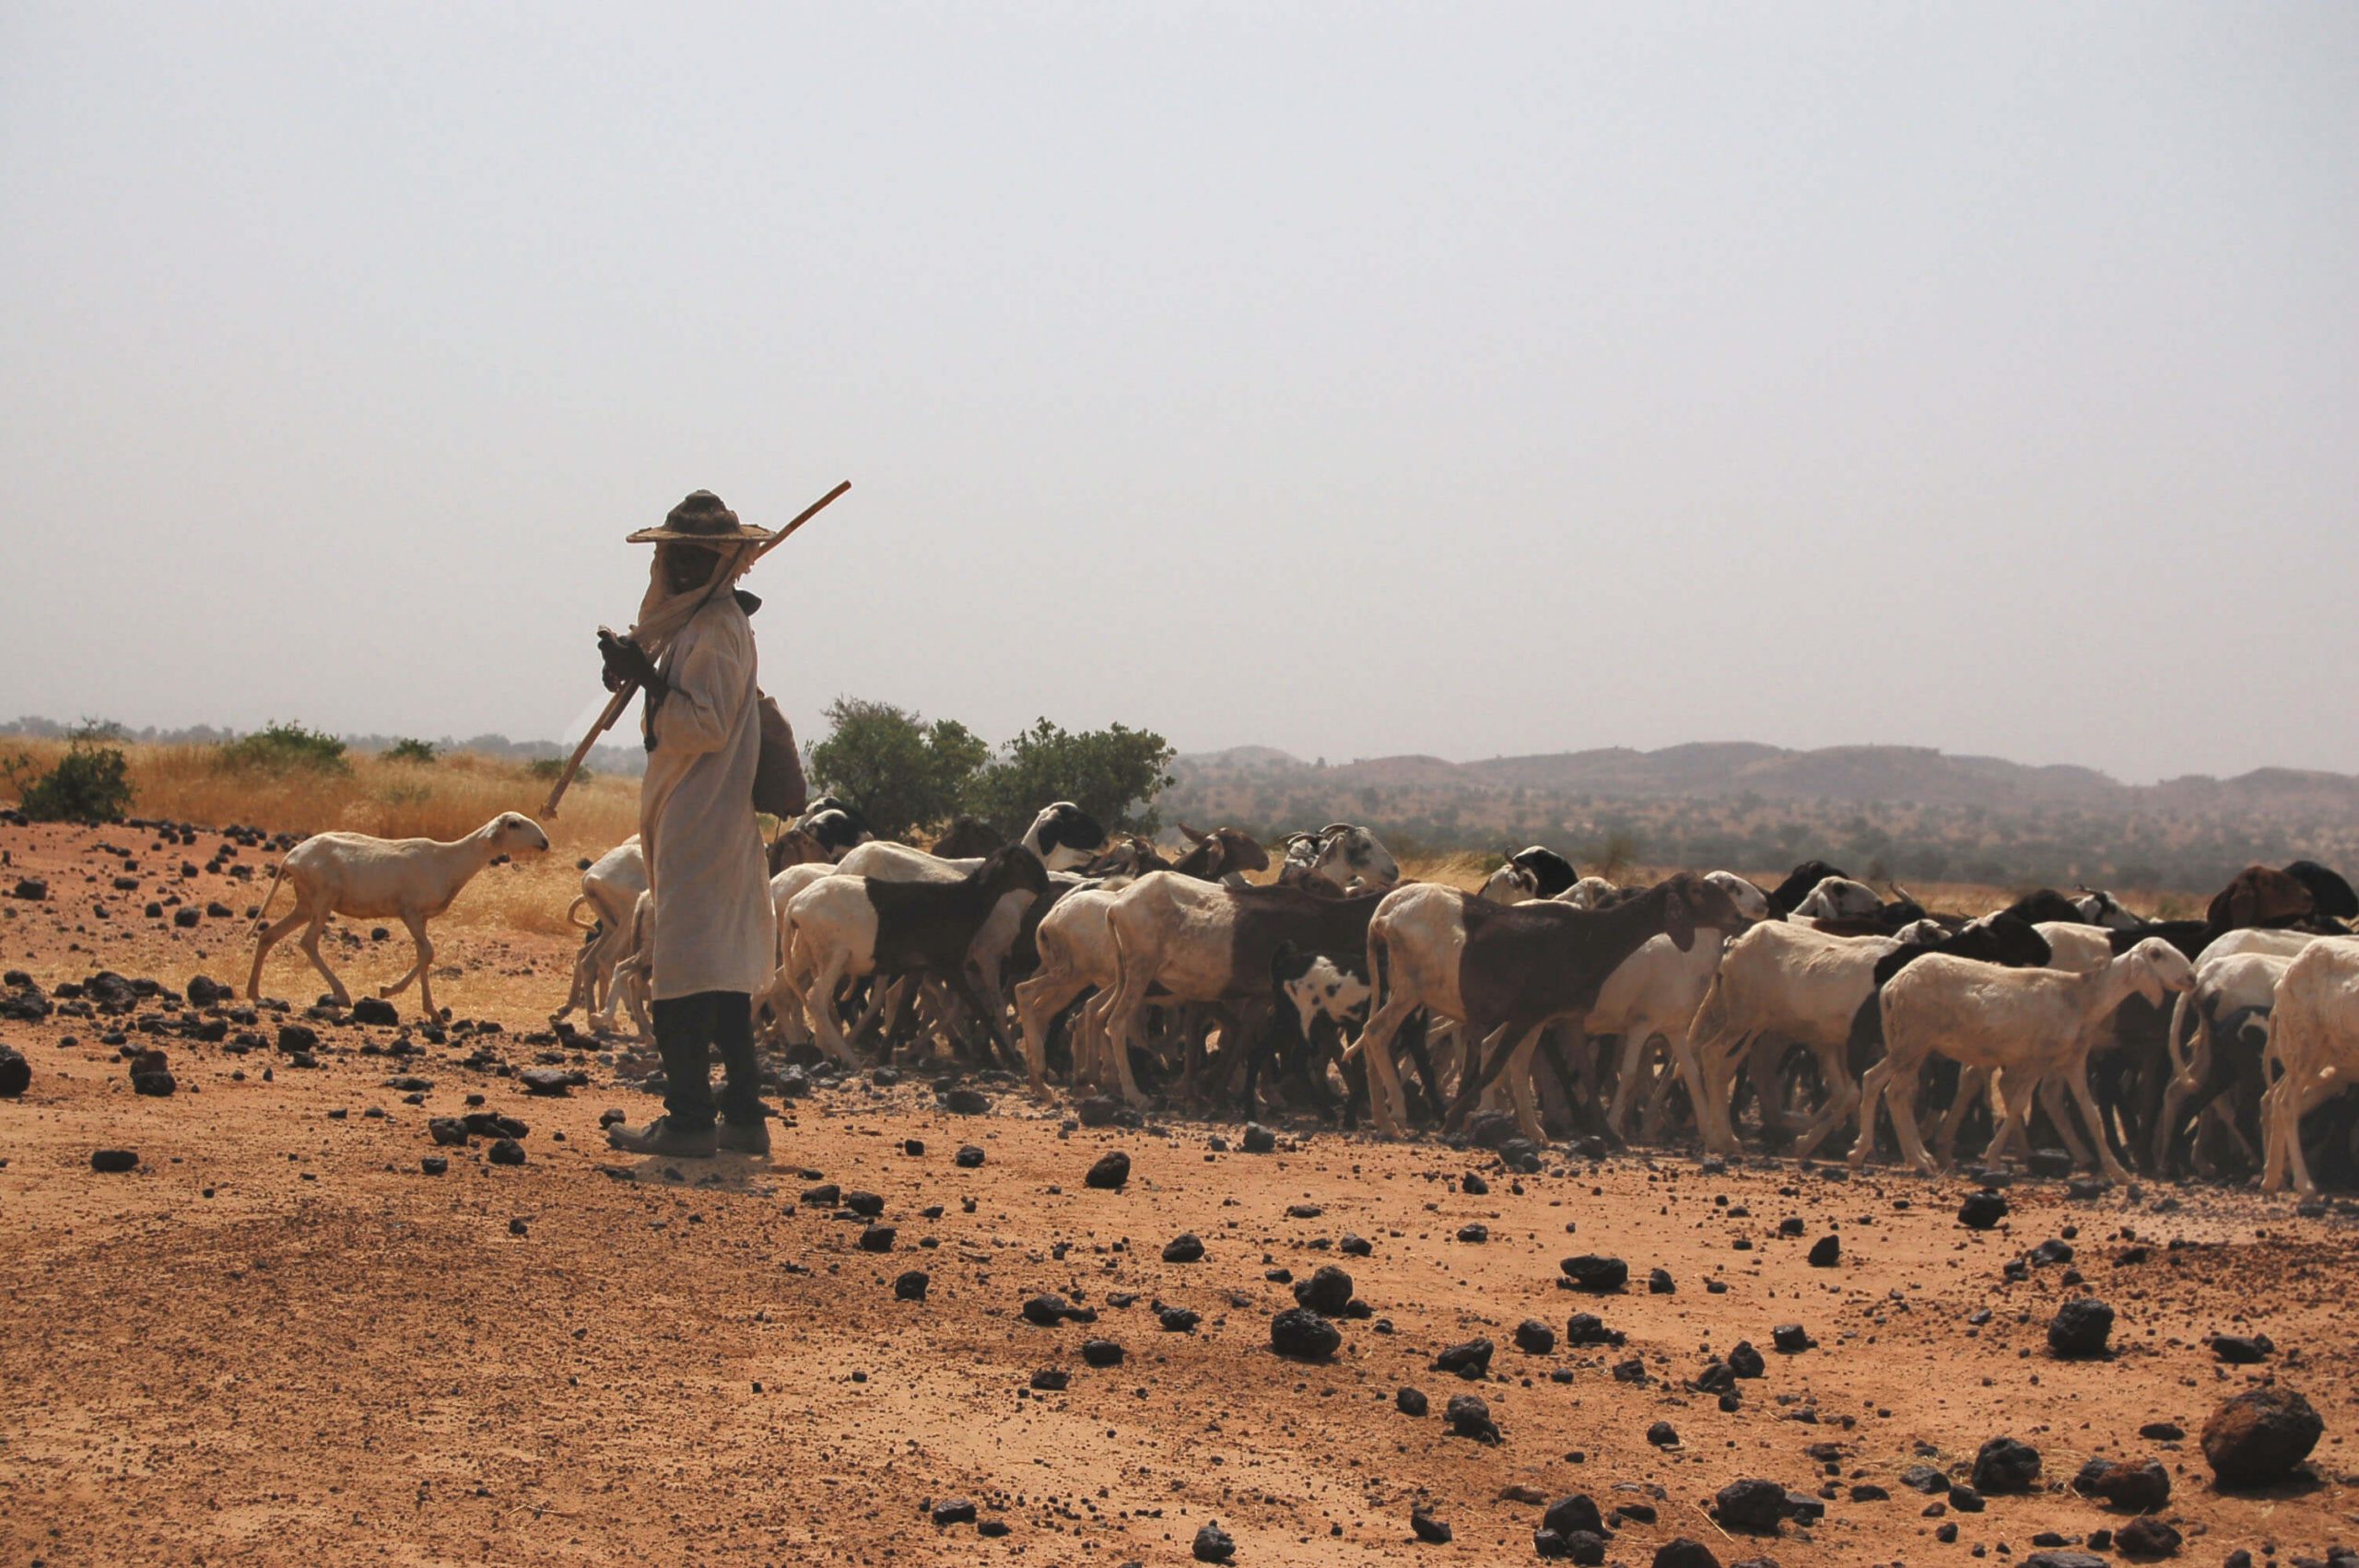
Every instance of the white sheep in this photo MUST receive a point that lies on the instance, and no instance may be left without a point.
(412, 880)
(1782, 981)
(2237, 990)
(1839, 898)
(609, 890)
(2314, 1039)
(2024, 1025)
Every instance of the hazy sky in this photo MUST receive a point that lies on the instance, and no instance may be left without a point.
(1355, 378)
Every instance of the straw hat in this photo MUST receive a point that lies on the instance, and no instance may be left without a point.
(701, 520)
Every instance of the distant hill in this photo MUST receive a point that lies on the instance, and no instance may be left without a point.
(1908, 810)
(604, 758)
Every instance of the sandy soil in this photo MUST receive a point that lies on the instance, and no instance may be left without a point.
(278, 1339)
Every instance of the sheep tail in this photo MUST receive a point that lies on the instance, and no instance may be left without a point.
(261, 914)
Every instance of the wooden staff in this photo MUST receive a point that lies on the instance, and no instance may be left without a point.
(628, 689)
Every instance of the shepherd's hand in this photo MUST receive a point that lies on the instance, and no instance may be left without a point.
(626, 663)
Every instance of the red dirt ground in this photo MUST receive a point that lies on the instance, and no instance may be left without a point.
(279, 1341)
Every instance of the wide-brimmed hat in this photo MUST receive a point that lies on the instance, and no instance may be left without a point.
(701, 520)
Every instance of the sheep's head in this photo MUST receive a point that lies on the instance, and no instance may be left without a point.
(1751, 902)
(2159, 968)
(513, 834)
(1511, 884)
(1064, 835)
(1690, 901)
(1347, 853)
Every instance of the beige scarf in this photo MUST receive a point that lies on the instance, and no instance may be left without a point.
(663, 614)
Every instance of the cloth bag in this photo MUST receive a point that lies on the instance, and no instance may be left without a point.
(778, 786)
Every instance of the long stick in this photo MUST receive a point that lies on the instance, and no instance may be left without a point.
(629, 689)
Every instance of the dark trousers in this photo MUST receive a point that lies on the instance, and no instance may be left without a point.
(685, 1026)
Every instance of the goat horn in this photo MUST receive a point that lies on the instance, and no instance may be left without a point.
(1335, 828)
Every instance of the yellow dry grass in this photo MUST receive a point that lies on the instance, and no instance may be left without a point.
(446, 799)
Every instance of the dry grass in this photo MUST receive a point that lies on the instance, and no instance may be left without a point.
(445, 798)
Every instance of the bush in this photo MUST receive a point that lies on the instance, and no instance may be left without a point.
(284, 746)
(550, 766)
(900, 771)
(1113, 774)
(410, 749)
(88, 784)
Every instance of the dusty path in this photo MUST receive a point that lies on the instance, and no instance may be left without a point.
(280, 1341)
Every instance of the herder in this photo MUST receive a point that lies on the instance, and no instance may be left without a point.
(714, 940)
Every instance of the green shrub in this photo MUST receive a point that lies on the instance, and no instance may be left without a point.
(90, 782)
(284, 746)
(902, 772)
(410, 749)
(1113, 774)
(550, 766)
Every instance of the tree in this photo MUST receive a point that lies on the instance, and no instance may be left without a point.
(900, 771)
(410, 749)
(1113, 774)
(90, 782)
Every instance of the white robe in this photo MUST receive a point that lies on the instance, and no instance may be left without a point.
(705, 865)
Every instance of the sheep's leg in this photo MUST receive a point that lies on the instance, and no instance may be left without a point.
(270, 939)
(1626, 1082)
(1900, 1100)
(2076, 1080)
(311, 945)
(2052, 1100)
(1386, 1103)
(424, 956)
(1038, 1001)
(1522, 1092)
(1842, 1100)
(1973, 1082)
(825, 1024)
(2015, 1125)
(1122, 1025)
(1870, 1094)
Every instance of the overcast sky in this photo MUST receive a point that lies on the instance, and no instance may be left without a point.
(1355, 378)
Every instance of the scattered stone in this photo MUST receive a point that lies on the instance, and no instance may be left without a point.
(1258, 1139)
(1587, 1329)
(1924, 1479)
(1591, 1271)
(550, 1081)
(877, 1238)
(1982, 1209)
(2162, 1431)
(1047, 1311)
(965, 1101)
(1577, 1511)
(2003, 1465)
(2146, 1536)
(2140, 1486)
(1750, 1503)
(1471, 1361)
(1301, 1334)
(434, 1165)
(953, 1511)
(1790, 1338)
(505, 1152)
(1660, 1282)
(1534, 1337)
(1355, 1245)
(1213, 1545)
(1663, 1434)
(1745, 1361)
(153, 1081)
(2240, 1350)
(114, 1162)
(1410, 1401)
(2080, 1327)
(1105, 1352)
(1685, 1553)
(1826, 1252)
(1051, 1379)
(1183, 1248)
(1326, 1292)
(1474, 1186)
(2260, 1436)
(31, 889)
(1178, 1319)
(1475, 1232)
(1110, 1174)
(2064, 1559)
(374, 1010)
(967, 1157)
(1469, 1416)
(1427, 1529)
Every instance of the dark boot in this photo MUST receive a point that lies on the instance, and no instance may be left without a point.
(660, 1137)
(744, 1138)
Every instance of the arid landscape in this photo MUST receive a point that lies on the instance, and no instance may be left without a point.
(278, 1337)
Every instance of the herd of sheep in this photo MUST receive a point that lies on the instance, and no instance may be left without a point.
(1819, 1003)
